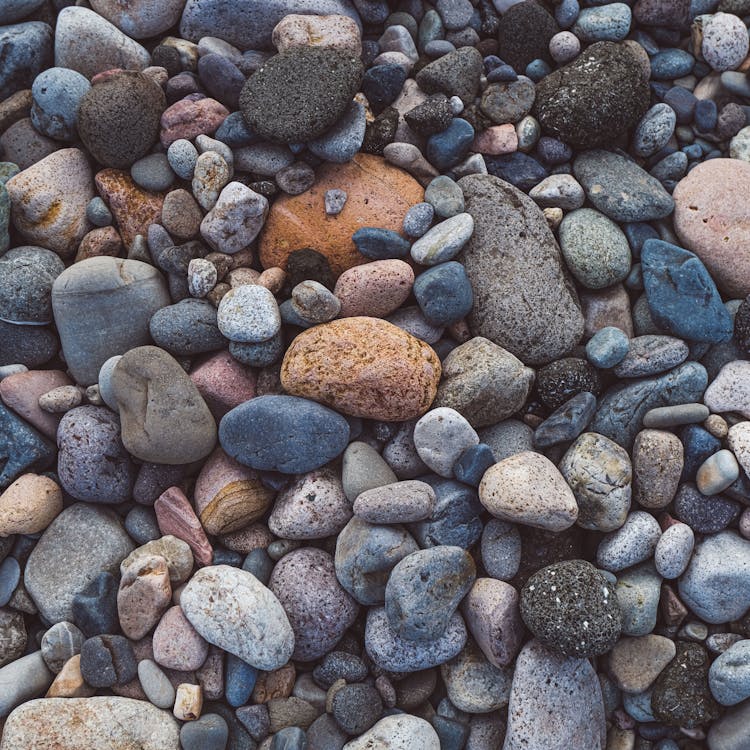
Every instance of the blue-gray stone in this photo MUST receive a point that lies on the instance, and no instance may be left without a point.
(141, 524)
(15, 10)
(240, 679)
(259, 563)
(670, 64)
(235, 132)
(606, 23)
(445, 150)
(519, 169)
(444, 293)
(654, 130)
(258, 355)
(283, 433)
(704, 514)
(153, 172)
(289, 738)
(222, 79)
(619, 188)
(651, 354)
(473, 462)
(209, 732)
(699, 444)
(418, 219)
(98, 213)
(22, 449)
(187, 328)
(25, 51)
(30, 346)
(682, 296)
(248, 25)
(380, 244)
(56, 94)
(607, 347)
(341, 142)
(567, 422)
(445, 196)
(94, 608)
(26, 277)
(729, 675)
(10, 575)
(623, 406)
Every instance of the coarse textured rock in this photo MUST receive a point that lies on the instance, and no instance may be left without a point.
(233, 610)
(530, 309)
(474, 684)
(636, 662)
(729, 390)
(324, 30)
(235, 220)
(96, 723)
(27, 51)
(140, 19)
(398, 732)
(29, 505)
(175, 551)
(555, 703)
(21, 392)
(454, 74)
(365, 367)
(21, 447)
(82, 541)
(26, 278)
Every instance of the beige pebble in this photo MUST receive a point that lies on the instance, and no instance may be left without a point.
(273, 279)
(29, 505)
(143, 596)
(69, 682)
(717, 426)
(189, 702)
(61, 399)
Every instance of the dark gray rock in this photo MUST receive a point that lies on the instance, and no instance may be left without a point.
(454, 74)
(22, 449)
(187, 328)
(26, 277)
(25, 51)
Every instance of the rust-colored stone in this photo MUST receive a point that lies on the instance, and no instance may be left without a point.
(176, 516)
(274, 685)
(99, 241)
(378, 195)
(365, 367)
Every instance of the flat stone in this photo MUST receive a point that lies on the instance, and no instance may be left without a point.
(29, 505)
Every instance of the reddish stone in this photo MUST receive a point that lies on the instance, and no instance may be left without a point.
(223, 382)
(177, 644)
(99, 241)
(188, 119)
(176, 516)
(244, 541)
(20, 392)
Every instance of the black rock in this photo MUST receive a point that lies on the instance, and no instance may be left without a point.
(95, 608)
(454, 74)
(309, 265)
(564, 378)
(356, 707)
(187, 328)
(381, 85)
(299, 94)
(595, 98)
(524, 33)
(380, 132)
(572, 608)
(519, 169)
(339, 665)
(432, 116)
(108, 660)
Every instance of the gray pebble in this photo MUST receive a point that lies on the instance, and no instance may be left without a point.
(98, 213)
(153, 173)
(673, 550)
(445, 196)
(418, 219)
(501, 549)
(335, 200)
(634, 542)
(651, 354)
(156, 684)
(673, 416)
(654, 130)
(441, 436)
(638, 590)
(182, 157)
(62, 641)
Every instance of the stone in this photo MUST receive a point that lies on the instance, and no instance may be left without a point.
(558, 190)
(25, 449)
(363, 390)
(140, 20)
(454, 74)
(82, 541)
(81, 723)
(535, 696)
(155, 684)
(717, 473)
(60, 644)
(14, 636)
(90, 296)
(620, 189)
(176, 552)
(635, 663)
(651, 354)
(607, 74)
(309, 434)
(634, 542)
(727, 391)
(185, 120)
(571, 608)
(378, 195)
(527, 488)
(176, 643)
(398, 732)
(318, 607)
(107, 661)
(337, 31)
(443, 241)
(729, 732)
(374, 289)
(88, 43)
(175, 515)
(26, 278)
(708, 209)
(507, 103)
(49, 201)
(474, 684)
(441, 436)
(674, 550)
(29, 505)
(144, 593)
(149, 429)
(69, 682)
(728, 675)
(724, 41)
(548, 322)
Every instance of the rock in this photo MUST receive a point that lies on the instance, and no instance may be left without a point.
(721, 557)
(81, 723)
(400, 502)
(176, 552)
(24, 448)
(187, 328)
(309, 435)
(318, 608)
(729, 732)
(140, 20)
(14, 636)
(527, 488)
(236, 219)
(634, 542)
(27, 51)
(454, 74)
(374, 289)
(91, 296)
(108, 661)
(638, 590)
(92, 462)
(567, 422)
(598, 96)
(546, 321)
(378, 194)
(128, 101)
(368, 388)
(728, 675)
(536, 695)
(708, 208)
(69, 682)
(724, 41)
(185, 120)
(474, 684)
(22, 680)
(26, 278)
(248, 313)
(674, 550)
(651, 354)
(564, 378)
(250, 26)
(441, 436)
(82, 541)
(175, 515)
(620, 189)
(363, 469)
(233, 610)
(176, 643)
(88, 43)
(571, 608)
(149, 425)
(49, 201)
(144, 593)
(398, 732)
(599, 473)
(155, 684)
(22, 390)
(681, 695)
(636, 662)
(60, 644)
(727, 391)
(334, 30)
(29, 505)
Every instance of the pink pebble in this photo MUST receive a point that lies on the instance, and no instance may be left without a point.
(223, 382)
(745, 523)
(176, 516)
(177, 644)
(498, 139)
(188, 119)
(20, 392)
(374, 289)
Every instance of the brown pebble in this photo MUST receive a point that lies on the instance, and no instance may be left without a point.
(181, 215)
(375, 289)
(175, 515)
(29, 505)
(69, 682)
(99, 241)
(274, 685)
(189, 702)
(144, 593)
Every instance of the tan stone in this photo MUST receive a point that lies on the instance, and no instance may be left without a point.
(635, 663)
(337, 32)
(365, 367)
(189, 702)
(658, 458)
(274, 685)
(378, 195)
(99, 241)
(143, 596)
(375, 289)
(29, 505)
(69, 682)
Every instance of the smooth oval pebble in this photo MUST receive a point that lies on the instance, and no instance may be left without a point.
(673, 550)
(401, 502)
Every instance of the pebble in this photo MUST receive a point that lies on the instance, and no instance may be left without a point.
(155, 684)
(29, 505)
(60, 644)
(176, 644)
(634, 542)
(605, 23)
(651, 354)
(717, 473)
(674, 550)
(607, 347)
(508, 494)
(728, 675)
(635, 663)
(400, 502)
(474, 684)
(654, 130)
(210, 731)
(56, 95)
(501, 549)
(375, 289)
(638, 589)
(724, 41)
(235, 219)
(338, 31)
(704, 514)
(444, 241)
(398, 732)
(672, 416)
(107, 660)
(454, 74)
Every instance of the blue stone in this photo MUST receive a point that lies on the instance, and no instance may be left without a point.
(283, 433)
(491, 62)
(693, 151)
(187, 328)
(25, 51)
(258, 355)
(446, 149)
(290, 738)
(683, 102)
(567, 422)
(290, 317)
(607, 347)
(56, 95)
(621, 409)
(552, 151)
(670, 64)
(259, 563)
(682, 297)
(472, 464)
(10, 575)
(240, 681)
(566, 13)
(607, 23)
(210, 732)
(22, 449)
(452, 734)
(380, 244)
(457, 518)
(646, 41)
(235, 132)
(418, 219)
(95, 608)
(381, 85)
(502, 73)
(518, 169)
(444, 293)
(537, 69)
(141, 524)
(706, 115)
(699, 444)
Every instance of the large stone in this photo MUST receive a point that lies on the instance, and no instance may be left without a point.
(102, 307)
(164, 418)
(555, 703)
(378, 195)
(77, 546)
(99, 723)
(523, 299)
(233, 610)
(140, 19)
(26, 52)
(398, 732)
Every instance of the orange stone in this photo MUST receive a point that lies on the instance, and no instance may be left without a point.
(378, 195)
(133, 208)
(364, 367)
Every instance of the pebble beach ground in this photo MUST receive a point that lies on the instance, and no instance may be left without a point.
(374, 375)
